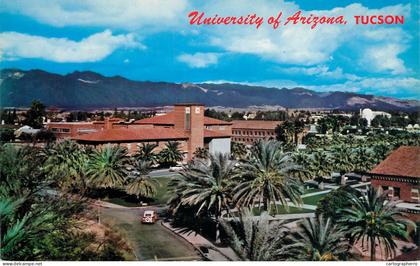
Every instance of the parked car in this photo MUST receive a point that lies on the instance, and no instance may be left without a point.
(149, 217)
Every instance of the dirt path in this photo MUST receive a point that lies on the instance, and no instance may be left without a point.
(149, 242)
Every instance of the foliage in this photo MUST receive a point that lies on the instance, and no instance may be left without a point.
(330, 205)
(318, 239)
(35, 115)
(255, 239)
(108, 167)
(201, 153)
(139, 182)
(239, 150)
(205, 187)
(267, 178)
(37, 223)
(171, 154)
(374, 220)
(146, 153)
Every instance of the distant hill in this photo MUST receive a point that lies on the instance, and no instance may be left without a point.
(90, 90)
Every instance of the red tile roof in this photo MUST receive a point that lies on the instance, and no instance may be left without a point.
(127, 134)
(255, 124)
(168, 119)
(404, 162)
(215, 134)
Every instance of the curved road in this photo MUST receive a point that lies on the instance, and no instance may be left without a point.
(149, 241)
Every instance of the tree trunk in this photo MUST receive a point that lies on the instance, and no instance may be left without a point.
(372, 249)
(218, 233)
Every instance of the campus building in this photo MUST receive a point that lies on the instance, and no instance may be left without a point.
(250, 131)
(399, 175)
(185, 124)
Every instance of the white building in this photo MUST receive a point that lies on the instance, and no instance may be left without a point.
(369, 115)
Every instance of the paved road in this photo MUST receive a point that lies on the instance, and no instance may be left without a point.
(149, 242)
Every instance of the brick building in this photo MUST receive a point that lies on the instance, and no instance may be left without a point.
(249, 131)
(185, 124)
(399, 174)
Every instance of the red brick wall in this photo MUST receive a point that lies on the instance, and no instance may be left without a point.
(196, 131)
(405, 188)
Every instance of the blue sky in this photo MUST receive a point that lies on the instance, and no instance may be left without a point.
(152, 40)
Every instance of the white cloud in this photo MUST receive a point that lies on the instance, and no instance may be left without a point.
(378, 86)
(199, 60)
(322, 71)
(384, 58)
(93, 48)
(125, 14)
(300, 45)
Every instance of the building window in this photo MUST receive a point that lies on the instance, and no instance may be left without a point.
(187, 118)
(222, 127)
(397, 192)
(415, 194)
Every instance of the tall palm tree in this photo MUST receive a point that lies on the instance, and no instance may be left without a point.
(207, 186)
(255, 239)
(320, 166)
(139, 182)
(108, 166)
(375, 221)
(67, 163)
(266, 178)
(171, 154)
(146, 153)
(318, 239)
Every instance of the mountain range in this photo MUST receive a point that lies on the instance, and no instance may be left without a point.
(88, 90)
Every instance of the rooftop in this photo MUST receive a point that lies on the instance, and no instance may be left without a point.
(169, 119)
(144, 134)
(255, 124)
(403, 162)
(128, 134)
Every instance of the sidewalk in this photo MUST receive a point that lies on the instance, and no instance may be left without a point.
(214, 253)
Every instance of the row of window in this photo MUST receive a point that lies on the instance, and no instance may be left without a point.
(253, 133)
(246, 139)
(60, 130)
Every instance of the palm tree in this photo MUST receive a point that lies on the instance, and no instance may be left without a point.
(320, 166)
(171, 154)
(375, 221)
(139, 182)
(318, 239)
(266, 178)
(206, 186)
(201, 153)
(362, 159)
(239, 150)
(341, 158)
(255, 239)
(108, 167)
(302, 159)
(67, 163)
(146, 153)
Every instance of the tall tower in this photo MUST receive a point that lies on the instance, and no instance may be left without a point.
(189, 117)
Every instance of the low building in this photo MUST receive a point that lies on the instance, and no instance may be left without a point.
(185, 124)
(399, 174)
(250, 131)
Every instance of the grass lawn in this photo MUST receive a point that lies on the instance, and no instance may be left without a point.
(282, 210)
(162, 191)
(313, 200)
(311, 190)
(161, 197)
